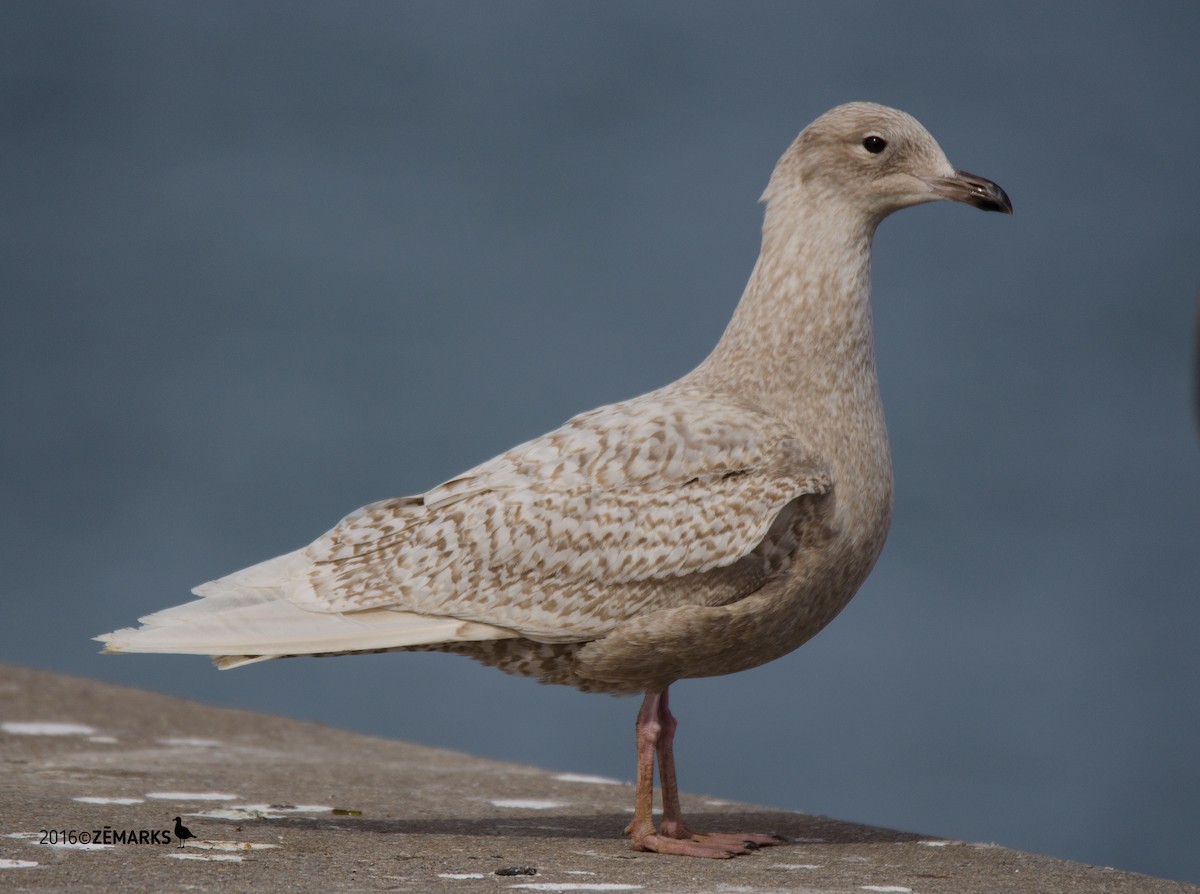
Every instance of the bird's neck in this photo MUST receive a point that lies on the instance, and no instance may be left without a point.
(799, 345)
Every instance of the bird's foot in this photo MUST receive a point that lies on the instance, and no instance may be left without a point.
(686, 847)
(676, 838)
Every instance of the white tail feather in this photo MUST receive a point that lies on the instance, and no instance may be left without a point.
(247, 617)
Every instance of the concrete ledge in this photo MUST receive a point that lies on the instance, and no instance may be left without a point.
(414, 818)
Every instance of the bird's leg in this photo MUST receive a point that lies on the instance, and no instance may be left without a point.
(672, 824)
(672, 819)
(647, 731)
(655, 734)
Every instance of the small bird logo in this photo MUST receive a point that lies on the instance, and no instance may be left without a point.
(182, 832)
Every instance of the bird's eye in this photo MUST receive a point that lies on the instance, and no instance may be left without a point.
(874, 144)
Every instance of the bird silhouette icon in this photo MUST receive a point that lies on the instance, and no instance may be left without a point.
(182, 832)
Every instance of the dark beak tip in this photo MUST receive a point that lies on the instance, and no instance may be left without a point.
(980, 192)
(1003, 202)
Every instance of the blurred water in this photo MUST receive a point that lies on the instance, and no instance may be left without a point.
(266, 263)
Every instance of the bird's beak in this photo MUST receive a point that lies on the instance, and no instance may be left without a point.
(965, 187)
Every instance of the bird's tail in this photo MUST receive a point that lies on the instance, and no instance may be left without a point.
(246, 617)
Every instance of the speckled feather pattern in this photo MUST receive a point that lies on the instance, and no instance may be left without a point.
(703, 528)
(617, 514)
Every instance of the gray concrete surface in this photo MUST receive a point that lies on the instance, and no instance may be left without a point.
(413, 818)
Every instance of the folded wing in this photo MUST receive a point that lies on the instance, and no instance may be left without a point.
(648, 504)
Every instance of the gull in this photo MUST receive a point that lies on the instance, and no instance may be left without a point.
(707, 527)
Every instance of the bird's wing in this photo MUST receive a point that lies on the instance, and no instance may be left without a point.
(544, 538)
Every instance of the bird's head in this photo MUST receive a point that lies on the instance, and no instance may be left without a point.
(871, 160)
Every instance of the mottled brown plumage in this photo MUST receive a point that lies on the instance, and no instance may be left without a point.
(704, 528)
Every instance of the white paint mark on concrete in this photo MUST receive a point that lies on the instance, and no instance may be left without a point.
(233, 814)
(103, 740)
(48, 729)
(36, 838)
(583, 777)
(87, 799)
(185, 742)
(205, 844)
(795, 866)
(191, 796)
(576, 886)
(527, 803)
(887, 889)
(6, 863)
(540, 828)
(260, 811)
(460, 875)
(212, 858)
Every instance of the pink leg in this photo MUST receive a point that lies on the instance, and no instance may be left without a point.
(642, 824)
(656, 734)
